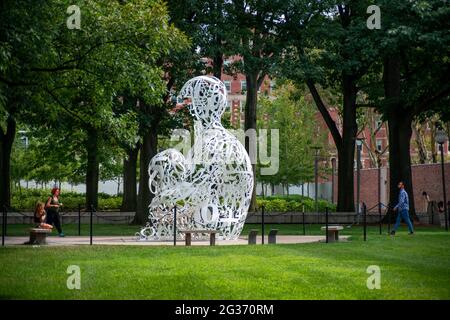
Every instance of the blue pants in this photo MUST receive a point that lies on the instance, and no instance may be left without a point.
(405, 215)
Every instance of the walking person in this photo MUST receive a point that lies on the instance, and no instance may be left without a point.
(402, 208)
(52, 206)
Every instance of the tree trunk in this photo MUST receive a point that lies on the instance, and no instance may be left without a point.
(420, 142)
(148, 150)
(118, 185)
(250, 123)
(433, 141)
(129, 200)
(218, 54)
(217, 64)
(6, 142)
(400, 131)
(345, 143)
(92, 170)
(400, 157)
(346, 154)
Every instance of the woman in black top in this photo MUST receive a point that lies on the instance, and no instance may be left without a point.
(40, 217)
(52, 207)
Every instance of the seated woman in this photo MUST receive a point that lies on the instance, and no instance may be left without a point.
(39, 217)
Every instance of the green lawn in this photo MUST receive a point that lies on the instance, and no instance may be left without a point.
(412, 267)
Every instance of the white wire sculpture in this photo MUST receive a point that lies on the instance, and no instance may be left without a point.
(212, 186)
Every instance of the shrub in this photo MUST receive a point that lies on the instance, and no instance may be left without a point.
(25, 200)
(293, 203)
(110, 203)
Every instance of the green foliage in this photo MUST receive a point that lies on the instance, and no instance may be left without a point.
(415, 35)
(25, 200)
(113, 203)
(61, 84)
(294, 117)
(294, 203)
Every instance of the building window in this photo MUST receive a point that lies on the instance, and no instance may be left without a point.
(228, 109)
(272, 85)
(379, 145)
(378, 124)
(243, 85)
(227, 85)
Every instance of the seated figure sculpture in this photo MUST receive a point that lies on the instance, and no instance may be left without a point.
(212, 186)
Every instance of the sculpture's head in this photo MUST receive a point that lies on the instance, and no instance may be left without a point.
(208, 98)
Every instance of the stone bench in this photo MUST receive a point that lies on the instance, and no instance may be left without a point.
(188, 236)
(273, 236)
(333, 232)
(252, 236)
(38, 236)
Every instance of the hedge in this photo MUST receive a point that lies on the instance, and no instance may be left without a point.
(26, 199)
(294, 204)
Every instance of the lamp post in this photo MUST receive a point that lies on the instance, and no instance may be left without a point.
(441, 138)
(333, 170)
(24, 137)
(316, 176)
(358, 175)
(379, 190)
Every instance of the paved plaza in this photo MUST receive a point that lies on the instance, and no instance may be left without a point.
(130, 240)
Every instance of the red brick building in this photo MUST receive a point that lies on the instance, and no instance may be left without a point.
(375, 137)
(425, 177)
(237, 88)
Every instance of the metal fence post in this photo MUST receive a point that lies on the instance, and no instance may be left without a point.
(175, 225)
(3, 225)
(432, 213)
(90, 228)
(389, 213)
(262, 224)
(379, 215)
(79, 219)
(326, 224)
(365, 221)
(6, 220)
(303, 219)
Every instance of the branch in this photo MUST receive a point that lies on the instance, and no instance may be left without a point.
(54, 69)
(16, 84)
(65, 108)
(169, 86)
(421, 106)
(378, 128)
(326, 115)
(260, 79)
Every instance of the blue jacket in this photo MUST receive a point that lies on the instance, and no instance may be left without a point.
(403, 201)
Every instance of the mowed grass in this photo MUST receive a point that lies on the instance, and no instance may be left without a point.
(412, 267)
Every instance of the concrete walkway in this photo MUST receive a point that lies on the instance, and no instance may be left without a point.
(123, 240)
